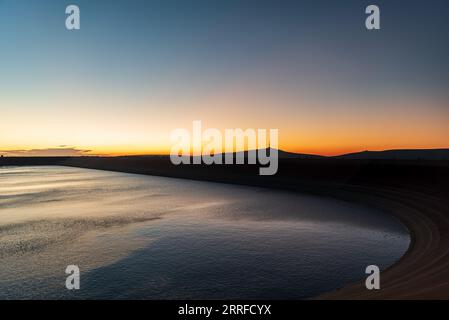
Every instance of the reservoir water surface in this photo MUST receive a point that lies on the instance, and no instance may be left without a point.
(145, 237)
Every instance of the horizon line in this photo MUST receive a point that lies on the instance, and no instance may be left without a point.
(4, 153)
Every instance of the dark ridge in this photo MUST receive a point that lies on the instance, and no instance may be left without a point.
(293, 173)
(400, 154)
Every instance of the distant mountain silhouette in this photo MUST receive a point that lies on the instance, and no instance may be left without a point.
(286, 155)
(291, 155)
(399, 154)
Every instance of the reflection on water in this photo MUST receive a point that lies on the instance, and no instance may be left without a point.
(149, 237)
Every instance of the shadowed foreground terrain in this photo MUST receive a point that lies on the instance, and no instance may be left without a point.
(415, 191)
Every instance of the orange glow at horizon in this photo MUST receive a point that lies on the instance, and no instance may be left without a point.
(305, 122)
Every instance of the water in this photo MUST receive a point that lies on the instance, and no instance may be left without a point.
(159, 238)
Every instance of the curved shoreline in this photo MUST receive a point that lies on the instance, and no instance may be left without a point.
(415, 192)
(423, 271)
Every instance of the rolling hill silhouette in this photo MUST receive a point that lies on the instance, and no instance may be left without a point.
(395, 154)
(399, 154)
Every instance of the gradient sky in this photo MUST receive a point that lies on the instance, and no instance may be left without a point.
(138, 69)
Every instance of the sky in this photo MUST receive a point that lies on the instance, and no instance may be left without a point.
(138, 69)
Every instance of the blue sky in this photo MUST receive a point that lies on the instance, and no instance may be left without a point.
(159, 58)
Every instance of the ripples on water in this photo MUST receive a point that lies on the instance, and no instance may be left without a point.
(149, 237)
